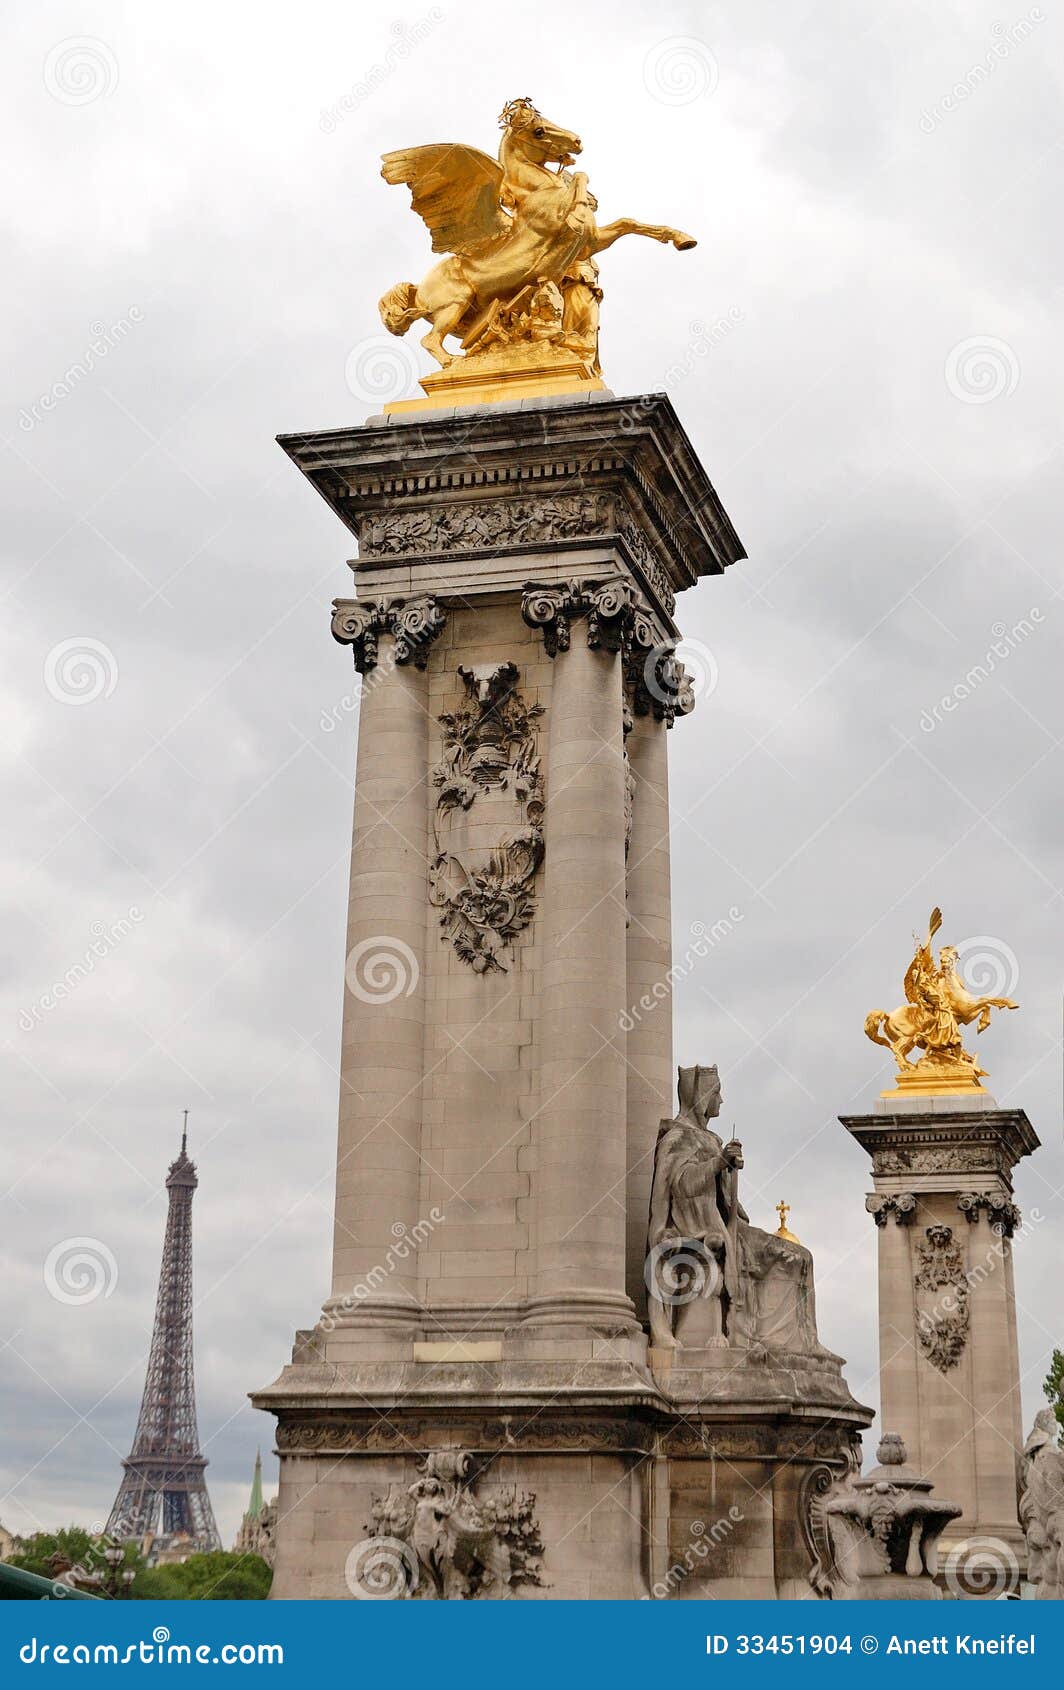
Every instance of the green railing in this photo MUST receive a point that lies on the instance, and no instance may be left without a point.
(16, 1585)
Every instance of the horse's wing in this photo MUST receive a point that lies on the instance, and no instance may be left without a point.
(455, 190)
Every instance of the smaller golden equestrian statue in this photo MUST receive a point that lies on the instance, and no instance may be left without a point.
(938, 1006)
(519, 285)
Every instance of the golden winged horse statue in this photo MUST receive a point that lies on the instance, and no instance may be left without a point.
(521, 235)
(938, 1004)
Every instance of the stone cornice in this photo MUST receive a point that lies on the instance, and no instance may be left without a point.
(632, 447)
(944, 1142)
(826, 1433)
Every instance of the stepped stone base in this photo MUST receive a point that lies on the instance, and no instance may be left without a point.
(692, 1484)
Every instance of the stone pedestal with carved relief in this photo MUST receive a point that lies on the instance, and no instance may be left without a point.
(475, 1413)
(942, 1201)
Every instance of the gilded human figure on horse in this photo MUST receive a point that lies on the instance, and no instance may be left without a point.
(521, 239)
(938, 1004)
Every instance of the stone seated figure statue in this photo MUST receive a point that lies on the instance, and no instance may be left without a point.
(714, 1280)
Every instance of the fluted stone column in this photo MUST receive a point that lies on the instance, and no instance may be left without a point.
(998, 1431)
(898, 1354)
(382, 1048)
(580, 1174)
(649, 994)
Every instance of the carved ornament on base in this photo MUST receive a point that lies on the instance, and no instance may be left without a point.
(458, 1547)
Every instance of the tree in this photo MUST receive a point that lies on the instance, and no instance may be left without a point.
(224, 1575)
(72, 1542)
(104, 1566)
(1053, 1385)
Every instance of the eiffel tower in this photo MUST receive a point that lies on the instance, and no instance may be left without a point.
(164, 1472)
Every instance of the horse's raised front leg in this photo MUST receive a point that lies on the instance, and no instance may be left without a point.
(610, 232)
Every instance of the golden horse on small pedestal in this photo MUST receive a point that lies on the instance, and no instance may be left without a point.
(520, 281)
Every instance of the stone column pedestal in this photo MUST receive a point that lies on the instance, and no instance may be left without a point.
(480, 1366)
(942, 1202)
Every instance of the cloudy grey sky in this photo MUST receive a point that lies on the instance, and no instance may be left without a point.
(865, 350)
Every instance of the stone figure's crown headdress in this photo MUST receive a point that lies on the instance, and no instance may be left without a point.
(696, 1085)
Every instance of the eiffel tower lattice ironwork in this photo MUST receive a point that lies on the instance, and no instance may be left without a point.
(164, 1472)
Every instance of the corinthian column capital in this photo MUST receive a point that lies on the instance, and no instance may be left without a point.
(659, 684)
(610, 608)
(413, 624)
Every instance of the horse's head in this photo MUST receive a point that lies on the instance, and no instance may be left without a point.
(541, 141)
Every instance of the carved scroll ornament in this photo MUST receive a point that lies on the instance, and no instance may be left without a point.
(617, 621)
(941, 1289)
(489, 762)
(413, 624)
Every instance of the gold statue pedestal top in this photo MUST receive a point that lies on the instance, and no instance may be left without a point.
(503, 376)
(934, 1079)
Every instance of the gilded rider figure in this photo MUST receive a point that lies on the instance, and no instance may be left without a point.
(938, 1005)
(507, 226)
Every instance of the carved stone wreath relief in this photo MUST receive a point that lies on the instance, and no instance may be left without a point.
(489, 772)
(941, 1289)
